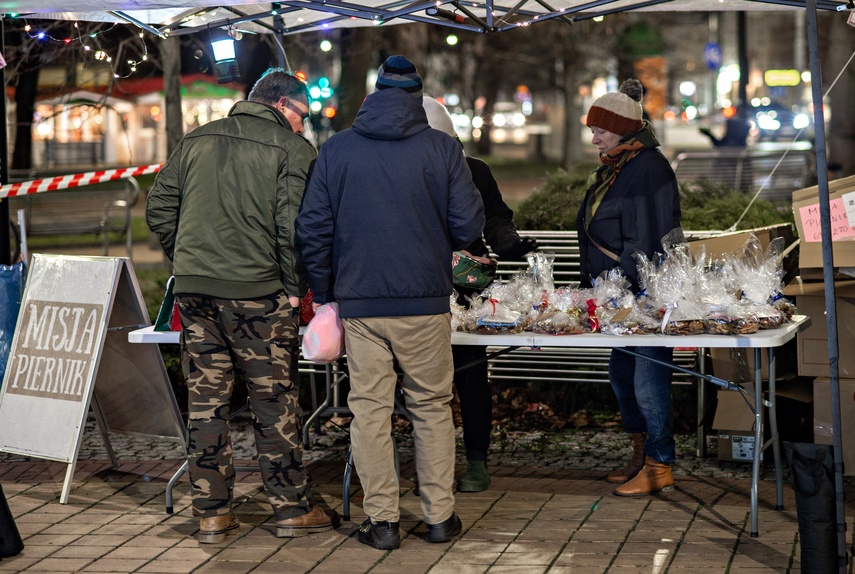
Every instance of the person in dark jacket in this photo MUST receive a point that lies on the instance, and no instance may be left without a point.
(388, 202)
(736, 130)
(735, 139)
(631, 204)
(223, 208)
(472, 384)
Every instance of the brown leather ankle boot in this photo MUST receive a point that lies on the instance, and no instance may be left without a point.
(635, 464)
(655, 476)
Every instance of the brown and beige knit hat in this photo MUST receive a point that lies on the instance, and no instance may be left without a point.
(618, 112)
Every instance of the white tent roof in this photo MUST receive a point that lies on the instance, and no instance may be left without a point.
(183, 16)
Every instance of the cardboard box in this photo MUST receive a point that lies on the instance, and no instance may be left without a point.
(823, 427)
(734, 420)
(813, 342)
(841, 196)
(726, 244)
(737, 365)
(818, 273)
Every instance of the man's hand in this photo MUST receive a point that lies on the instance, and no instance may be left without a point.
(295, 301)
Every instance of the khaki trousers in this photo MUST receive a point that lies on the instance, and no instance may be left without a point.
(421, 345)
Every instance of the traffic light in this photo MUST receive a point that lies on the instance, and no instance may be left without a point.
(321, 89)
(326, 89)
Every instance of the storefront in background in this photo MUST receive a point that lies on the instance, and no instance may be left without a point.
(86, 128)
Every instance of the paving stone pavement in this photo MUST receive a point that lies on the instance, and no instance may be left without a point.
(543, 513)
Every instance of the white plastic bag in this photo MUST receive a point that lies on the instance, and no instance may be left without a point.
(323, 340)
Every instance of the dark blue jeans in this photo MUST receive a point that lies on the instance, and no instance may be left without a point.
(643, 390)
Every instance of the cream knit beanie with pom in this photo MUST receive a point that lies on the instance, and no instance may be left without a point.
(617, 112)
(438, 116)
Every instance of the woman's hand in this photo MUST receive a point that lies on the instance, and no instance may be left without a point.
(522, 248)
(484, 260)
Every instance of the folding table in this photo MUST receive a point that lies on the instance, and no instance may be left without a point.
(766, 339)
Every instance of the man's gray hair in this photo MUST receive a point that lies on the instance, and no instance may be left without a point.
(276, 83)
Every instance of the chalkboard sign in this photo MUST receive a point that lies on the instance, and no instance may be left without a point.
(70, 342)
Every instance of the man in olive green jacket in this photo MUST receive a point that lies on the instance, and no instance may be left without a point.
(223, 207)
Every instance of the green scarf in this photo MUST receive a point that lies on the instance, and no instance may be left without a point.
(601, 180)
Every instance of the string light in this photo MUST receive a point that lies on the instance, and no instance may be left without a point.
(97, 53)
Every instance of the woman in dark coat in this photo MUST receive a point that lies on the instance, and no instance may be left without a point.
(631, 204)
(473, 387)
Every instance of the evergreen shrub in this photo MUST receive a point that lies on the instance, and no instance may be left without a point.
(705, 205)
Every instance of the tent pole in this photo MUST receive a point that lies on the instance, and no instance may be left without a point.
(5, 224)
(742, 55)
(278, 30)
(827, 274)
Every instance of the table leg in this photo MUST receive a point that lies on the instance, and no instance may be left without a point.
(345, 490)
(702, 390)
(171, 484)
(328, 380)
(313, 387)
(758, 438)
(773, 428)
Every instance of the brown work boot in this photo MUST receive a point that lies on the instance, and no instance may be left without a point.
(316, 520)
(636, 461)
(212, 530)
(655, 476)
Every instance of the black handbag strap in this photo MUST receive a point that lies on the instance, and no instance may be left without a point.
(605, 251)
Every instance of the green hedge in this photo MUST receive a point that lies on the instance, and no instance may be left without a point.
(554, 206)
(705, 205)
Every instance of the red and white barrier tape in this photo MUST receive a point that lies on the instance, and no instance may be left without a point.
(74, 180)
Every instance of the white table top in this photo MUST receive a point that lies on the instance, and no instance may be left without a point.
(149, 335)
(761, 339)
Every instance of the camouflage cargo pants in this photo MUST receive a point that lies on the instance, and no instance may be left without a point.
(257, 339)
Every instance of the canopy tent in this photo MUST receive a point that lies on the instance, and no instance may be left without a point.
(293, 16)
(165, 17)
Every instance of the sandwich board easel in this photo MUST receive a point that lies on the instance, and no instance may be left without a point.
(70, 349)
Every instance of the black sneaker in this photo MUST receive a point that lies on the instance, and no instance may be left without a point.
(381, 535)
(445, 530)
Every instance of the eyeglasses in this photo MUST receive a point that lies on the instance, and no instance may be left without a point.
(303, 115)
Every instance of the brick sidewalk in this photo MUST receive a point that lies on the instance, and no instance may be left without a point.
(530, 521)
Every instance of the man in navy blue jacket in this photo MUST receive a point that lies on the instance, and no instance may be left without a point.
(388, 202)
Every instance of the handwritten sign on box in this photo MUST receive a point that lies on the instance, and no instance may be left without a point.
(840, 228)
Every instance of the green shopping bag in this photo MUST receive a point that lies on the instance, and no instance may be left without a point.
(167, 315)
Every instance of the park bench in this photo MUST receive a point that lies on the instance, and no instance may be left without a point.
(747, 169)
(99, 210)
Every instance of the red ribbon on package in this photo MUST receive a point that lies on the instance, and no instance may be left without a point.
(74, 180)
(592, 315)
